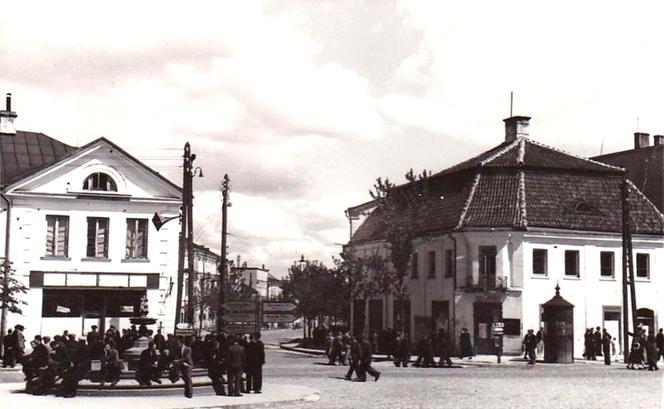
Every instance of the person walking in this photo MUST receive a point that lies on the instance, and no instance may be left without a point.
(529, 346)
(465, 346)
(7, 350)
(651, 351)
(255, 361)
(186, 364)
(606, 346)
(401, 351)
(354, 359)
(236, 360)
(660, 343)
(365, 361)
(443, 348)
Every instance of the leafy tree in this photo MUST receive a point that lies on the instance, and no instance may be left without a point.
(399, 211)
(10, 292)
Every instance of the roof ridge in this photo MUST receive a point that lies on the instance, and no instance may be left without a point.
(543, 145)
(521, 198)
(500, 153)
(469, 199)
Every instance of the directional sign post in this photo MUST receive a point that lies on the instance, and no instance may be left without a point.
(236, 306)
(240, 328)
(279, 318)
(240, 317)
(278, 307)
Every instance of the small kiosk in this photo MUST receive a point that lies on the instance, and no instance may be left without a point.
(558, 319)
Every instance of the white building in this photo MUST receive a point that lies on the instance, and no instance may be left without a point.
(504, 228)
(255, 278)
(206, 285)
(80, 235)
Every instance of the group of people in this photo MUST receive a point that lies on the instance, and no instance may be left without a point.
(600, 342)
(61, 362)
(646, 348)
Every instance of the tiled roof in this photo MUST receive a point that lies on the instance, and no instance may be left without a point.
(27, 152)
(645, 167)
(525, 184)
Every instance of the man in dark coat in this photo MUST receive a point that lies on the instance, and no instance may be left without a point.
(111, 365)
(443, 348)
(255, 352)
(606, 346)
(147, 366)
(401, 351)
(597, 341)
(215, 364)
(651, 350)
(159, 341)
(365, 361)
(235, 362)
(18, 347)
(660, 343)
(7, 350)
(465, 346)
(529, 345)
(354, 358)
(186, 363)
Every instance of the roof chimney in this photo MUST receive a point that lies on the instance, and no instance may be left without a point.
(516, 127)
(7, 118)
(641, 140)
(658, 140)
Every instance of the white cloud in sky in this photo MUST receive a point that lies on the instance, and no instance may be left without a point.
(305, 103)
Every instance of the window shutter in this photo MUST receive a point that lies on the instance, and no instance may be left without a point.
(92, 232)
(50, 235)
(61, 242)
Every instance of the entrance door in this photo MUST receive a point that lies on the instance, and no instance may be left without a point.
(646, 317)
(613, 326)
(485, 314)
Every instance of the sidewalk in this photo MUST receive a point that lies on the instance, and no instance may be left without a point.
(273, 395)
(477, 360)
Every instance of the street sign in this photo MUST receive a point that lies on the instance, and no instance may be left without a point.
(240, 328)
(278, 307)
(279, 318)
(184, 325)
(239, 306)
(498, 324)
(239, 317)
(184, 332)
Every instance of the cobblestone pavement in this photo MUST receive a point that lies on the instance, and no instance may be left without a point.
(515, 386)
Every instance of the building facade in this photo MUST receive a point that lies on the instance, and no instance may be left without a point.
(206, 286)
(504, 228)
(80, 235)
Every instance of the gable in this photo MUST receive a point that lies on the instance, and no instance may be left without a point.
(67, 176)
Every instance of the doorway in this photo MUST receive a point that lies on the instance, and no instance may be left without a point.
(613, 325)
(485, 314)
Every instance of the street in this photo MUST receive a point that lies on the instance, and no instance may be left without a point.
(515, 385)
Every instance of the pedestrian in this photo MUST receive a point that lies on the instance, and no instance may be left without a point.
(365, 361)
(660, 343)
(235, 364)
(255, 360)
(18, 347)
(215, 364)
(93, 335)
(651, 350)
(465, 346)
(635, 360)
(401, 350)
(7, 350)
(186, 364)
(159, 341)
(427, 352)
(354, 358)
(597, 341)
(606, 346)
(588, 344)
(529, 346)
(540, 342)
(443, 348)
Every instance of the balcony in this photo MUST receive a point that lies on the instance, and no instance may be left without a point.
(486, 283)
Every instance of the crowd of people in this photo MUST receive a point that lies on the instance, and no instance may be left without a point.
(61, 362)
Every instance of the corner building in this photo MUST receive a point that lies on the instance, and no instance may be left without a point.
(80, 233)
(508, 225)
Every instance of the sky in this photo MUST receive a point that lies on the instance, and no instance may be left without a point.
(305, 103)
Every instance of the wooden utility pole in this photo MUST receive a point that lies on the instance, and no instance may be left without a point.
(183, 231)
(191, 274)
(628, 270)
(225, 189)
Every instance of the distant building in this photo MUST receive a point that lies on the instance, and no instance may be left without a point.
(206, 287)
(505, 227)
(80, 235)
(644, 165)
(255, 278)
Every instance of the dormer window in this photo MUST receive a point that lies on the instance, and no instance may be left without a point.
(582, 207)
(100, 182)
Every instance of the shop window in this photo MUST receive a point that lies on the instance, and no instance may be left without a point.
(512, 326)
(57, 236)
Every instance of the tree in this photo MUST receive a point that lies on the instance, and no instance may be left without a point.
(206, 298)
(10, 292)
(399, 211)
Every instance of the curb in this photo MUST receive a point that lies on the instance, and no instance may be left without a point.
(313, 397)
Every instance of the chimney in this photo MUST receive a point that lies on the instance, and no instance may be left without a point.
(7, 118)
(516, 127)
(641, 140)
(658, 140)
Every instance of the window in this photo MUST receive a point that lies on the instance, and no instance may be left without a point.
(512, 326)
(488, 266)
(643, 265)
(540, 265)
(431, 263)
(100, 182)
(97, 237)
(606, 263)
(572, 263)
(57, 236)
(414, 272)
(449, 263)
(137, 238)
